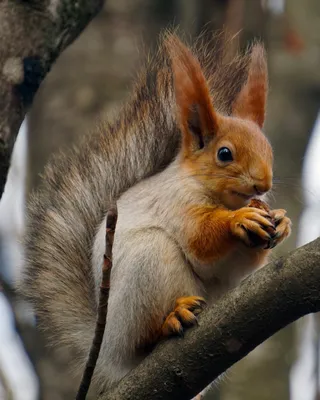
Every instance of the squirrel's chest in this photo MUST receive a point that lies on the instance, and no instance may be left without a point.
(220, 276)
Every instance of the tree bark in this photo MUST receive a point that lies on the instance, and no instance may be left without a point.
(265, 302)
(33, 34)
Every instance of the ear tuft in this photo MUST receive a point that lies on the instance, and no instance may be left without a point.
(252, 99)
(196, 116)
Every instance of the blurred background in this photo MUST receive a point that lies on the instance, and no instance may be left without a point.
(94, 76)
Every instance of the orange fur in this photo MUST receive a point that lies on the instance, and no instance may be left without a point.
(214, 232)
(191, 91)
(252, 150)
(204, 130)
(208, 230)
(184, 315)
(251, 102)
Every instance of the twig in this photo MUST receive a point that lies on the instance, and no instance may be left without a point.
(102, 308)
(316, 355)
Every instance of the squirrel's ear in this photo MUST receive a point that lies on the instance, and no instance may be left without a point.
(251, 101)
(196, 116)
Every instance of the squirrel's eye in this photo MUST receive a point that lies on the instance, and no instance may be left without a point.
(224, 154)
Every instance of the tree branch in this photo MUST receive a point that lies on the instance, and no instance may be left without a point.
(265, 302)
(33, 34)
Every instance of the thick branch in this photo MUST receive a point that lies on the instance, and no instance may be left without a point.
(268, 300)
(33, 34)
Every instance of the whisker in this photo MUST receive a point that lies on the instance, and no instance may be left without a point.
(297, 177)
(271, 194)
(295, 183)
(311, 192)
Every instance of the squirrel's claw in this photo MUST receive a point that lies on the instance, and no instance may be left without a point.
(283, 230)
(252, 226)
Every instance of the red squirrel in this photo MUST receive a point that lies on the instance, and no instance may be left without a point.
(191, 222)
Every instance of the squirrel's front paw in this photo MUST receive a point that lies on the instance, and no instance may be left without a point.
(253, 226)
(283, 227)
(184, 315)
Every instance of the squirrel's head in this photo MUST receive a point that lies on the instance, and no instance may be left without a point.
(229, 155)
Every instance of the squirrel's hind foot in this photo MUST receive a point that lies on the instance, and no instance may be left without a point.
(184, 315)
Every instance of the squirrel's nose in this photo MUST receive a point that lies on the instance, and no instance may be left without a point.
(262, 187)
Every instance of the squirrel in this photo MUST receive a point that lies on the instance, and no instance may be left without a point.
(186, 164)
